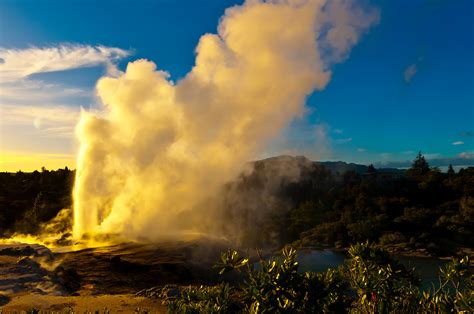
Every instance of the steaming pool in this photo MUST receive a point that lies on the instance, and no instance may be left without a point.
(320, 260)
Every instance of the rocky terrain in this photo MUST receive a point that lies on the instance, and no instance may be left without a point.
(33, 276)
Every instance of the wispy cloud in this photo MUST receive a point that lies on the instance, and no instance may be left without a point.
(50, 121)
(24, 92)
(361, 150)
(40, 111)
(458, 143)
(432, 155)
(20, 63)
(343, 140)
(410, 72)
(412, 69)
(337, 131)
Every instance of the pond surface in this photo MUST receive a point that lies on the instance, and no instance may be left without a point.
(320, 260)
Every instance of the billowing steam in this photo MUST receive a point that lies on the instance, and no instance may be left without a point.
(160, 148)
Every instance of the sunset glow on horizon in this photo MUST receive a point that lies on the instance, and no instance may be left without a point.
(13, 162)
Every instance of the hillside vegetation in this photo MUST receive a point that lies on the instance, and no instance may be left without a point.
(293, 200)
(29, 199)
(420, 209)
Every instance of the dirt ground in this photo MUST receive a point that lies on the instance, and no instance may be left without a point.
(103, 279)
(123, 303)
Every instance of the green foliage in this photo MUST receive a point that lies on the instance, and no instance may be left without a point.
(455, 292)
(325, 233)
(273, 287)
(368, 229)
(370, 281)
(433, 209)
(203, 299)
(380, 282)
(392, 238)
(230, 260)
(278, 287)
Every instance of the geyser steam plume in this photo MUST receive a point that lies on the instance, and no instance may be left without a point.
(159, 148)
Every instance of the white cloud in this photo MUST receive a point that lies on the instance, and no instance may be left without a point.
(361, 150)
(432, 155)
(21, 63)
(39, 111)
(50, 121)
(26, 91)
(466, 155)
(343, 140)
(410, 72)
(458, 143)
(338, 131)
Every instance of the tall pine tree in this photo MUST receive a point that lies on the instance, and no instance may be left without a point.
(419, 166)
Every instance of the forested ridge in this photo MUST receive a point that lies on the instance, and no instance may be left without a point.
(420, 208)
(28, 199)
(293, 200)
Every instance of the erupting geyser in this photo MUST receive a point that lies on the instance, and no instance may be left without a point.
(159, 148)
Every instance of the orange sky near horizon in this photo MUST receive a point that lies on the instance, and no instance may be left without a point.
(13, 162)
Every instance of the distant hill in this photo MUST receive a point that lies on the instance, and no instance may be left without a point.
(336, 167)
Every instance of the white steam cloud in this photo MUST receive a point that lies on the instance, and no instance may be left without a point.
(159, 149)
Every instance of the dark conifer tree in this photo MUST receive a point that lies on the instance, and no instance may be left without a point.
(451, 171)
(371, 169)
(419, 166)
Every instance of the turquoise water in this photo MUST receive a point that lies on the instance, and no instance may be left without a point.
(315, 260)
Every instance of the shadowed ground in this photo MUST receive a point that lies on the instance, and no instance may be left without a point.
(36, 276)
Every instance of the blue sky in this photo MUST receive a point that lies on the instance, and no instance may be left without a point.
(408, 85)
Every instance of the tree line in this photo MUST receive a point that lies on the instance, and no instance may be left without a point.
(417, 209)
(28, 199)
(420, 208)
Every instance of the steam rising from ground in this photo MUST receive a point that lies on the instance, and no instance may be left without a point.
(159, 149)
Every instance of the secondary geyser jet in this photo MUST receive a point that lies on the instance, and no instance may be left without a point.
(159, 148)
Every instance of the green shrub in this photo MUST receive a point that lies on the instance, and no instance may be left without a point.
(370, 281)
(392, 238)
(380, 282)
(455, 292)
(203, 299)
(326, 233)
